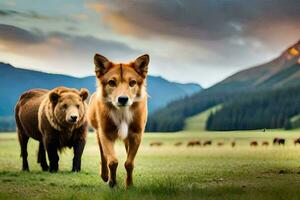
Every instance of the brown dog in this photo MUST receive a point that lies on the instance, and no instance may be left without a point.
(55, 118)
(118, 109)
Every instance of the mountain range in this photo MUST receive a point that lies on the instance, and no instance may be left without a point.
(264, 96)
(276, 75)
(14, 81)
(281, 71)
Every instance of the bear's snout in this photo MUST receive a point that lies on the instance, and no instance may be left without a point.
(72, 116)
(72, 119)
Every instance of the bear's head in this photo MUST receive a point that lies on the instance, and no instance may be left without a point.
(68, 105)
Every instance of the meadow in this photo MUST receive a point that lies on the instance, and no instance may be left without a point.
(164, 172)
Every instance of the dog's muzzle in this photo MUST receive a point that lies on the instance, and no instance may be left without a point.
(122, 101)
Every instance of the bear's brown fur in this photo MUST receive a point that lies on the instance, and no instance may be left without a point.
(55, 118)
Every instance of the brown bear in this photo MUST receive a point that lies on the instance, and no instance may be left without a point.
(55, 118)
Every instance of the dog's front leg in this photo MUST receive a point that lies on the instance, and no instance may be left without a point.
(133, 142)
(103, 163)
(112, 162)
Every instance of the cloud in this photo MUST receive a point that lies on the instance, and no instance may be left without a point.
(80, 17)
(217, 33)
(116, 20)
(5, 13)
(193, 40)
(210, 33)
(58, 49)
(10, 3)
(37, 16)
(203, 20)
(96, 6)
(12, 34)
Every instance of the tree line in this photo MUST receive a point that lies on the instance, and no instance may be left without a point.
(257, 110)
(172, 117)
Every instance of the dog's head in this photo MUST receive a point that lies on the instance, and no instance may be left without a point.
(121, 84)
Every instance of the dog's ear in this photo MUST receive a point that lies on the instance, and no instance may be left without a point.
(102, 65)
(141, 65)
(84, 93)
(54, 97)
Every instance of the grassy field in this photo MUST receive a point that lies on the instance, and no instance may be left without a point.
(198, 122)
(165, 172)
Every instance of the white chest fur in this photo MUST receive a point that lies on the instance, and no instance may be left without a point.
(122, 118)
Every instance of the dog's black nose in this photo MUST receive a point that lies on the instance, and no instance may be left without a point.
(73, 118)
(122, 100)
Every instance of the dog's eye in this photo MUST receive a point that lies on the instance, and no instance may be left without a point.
(112, 83)
(77, 105)
(65, 106)
(132, 83)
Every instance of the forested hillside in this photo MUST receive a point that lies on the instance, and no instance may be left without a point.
(282, 72)
(172, 117)
(257, 110)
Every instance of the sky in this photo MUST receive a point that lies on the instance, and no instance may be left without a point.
(201, 41)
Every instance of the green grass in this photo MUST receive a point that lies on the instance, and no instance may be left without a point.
(165, 172)
(198, 122)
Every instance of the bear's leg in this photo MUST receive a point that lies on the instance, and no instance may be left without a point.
(78, 150)
(23, 139)
(112, 162)
(53, 157)
(132, 144)
(42, 157)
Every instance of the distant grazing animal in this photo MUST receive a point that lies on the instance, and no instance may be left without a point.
(178, 144)
(233, 143)
(56, 119)
(297, 141)
(253, 143)
(156, 144)
(207, 143)
(194, 143)
(118, 110)
(275, 140)
(279, 141)
(220, 144)
(265, 143)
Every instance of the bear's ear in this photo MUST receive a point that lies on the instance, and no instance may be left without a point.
(141, 65)
(102, 65)
(54, 96)
(84, 93)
